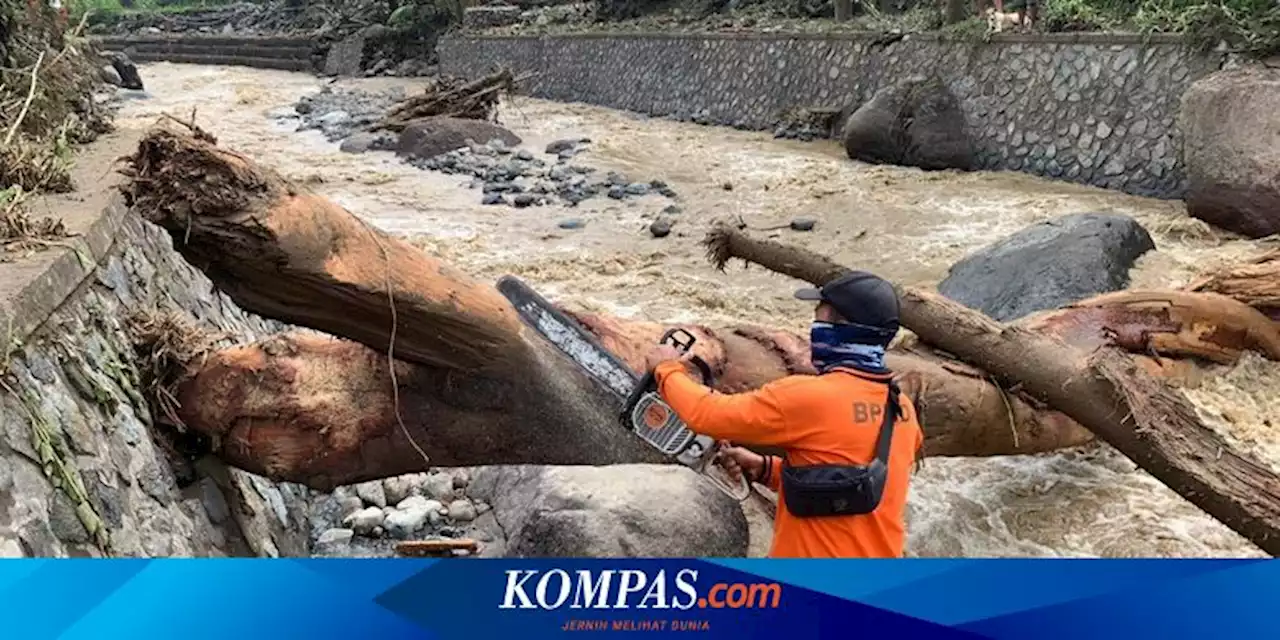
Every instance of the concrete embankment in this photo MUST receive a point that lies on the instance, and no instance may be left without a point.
(284, 53)
(85, 468)
(1097, 109)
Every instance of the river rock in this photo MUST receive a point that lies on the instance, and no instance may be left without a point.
(634, 510)
(365, 141)
(398, 488)
(402, 524)
(419, 502)
(915, 122)
(1048, 265)
(109, 75)
(372, 493)
(348, 505)
(431, 137)
(571, 223)
(660, 228)
(568, 144)
(439, 486)
(334, 541)
(462, 511)
(365, 521)
(128, 71)
(1230, 135)
(803, 224)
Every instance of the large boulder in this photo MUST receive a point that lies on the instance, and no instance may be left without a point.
(110, 76)
(431, 137)
(1231, 150)
(635, 510)
(916, 122)
(128, 71)
(1048, 265)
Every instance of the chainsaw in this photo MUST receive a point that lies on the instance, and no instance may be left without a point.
(643, 412)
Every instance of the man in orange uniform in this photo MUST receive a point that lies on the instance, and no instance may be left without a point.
(850, 440)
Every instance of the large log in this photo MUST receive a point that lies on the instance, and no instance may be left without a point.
(283, 252)
(322, 412)
(1102, 389)
(1256, 283)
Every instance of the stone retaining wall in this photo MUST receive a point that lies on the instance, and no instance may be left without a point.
(289, 54)
(78, 441)
(1088, 108)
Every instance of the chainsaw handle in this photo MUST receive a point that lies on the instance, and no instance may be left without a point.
(678, 338)
(683, 341)
(740, 492)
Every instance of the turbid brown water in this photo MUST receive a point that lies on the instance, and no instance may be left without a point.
(905, 224)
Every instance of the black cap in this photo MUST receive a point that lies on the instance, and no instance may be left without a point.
(862, 298)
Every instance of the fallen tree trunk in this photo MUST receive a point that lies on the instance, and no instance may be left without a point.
(1103, 390)
(322, 412)
(282, 252)
(1256, 283)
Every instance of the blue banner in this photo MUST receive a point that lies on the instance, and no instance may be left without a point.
(472, 599)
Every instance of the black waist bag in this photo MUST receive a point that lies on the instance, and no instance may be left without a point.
(815, 491)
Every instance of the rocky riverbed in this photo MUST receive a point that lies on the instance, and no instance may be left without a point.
(369, 518)
(911, 226)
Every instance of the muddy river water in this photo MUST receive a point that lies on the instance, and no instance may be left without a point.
(905, 224)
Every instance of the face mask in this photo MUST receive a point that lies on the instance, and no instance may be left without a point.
(847, 345)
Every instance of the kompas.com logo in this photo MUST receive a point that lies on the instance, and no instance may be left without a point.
(631, 589)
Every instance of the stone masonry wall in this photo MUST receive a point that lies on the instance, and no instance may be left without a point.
(1088, 108)
(285, 53)
(78, 443)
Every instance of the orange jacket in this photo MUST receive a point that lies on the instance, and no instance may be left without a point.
(826, 419)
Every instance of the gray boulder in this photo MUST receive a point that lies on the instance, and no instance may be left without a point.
(1230, 137)
(431, 137)
(915, 122)
(128, 71)
(366, 141)
(636, 510)
(1048, 265)
(110, 75)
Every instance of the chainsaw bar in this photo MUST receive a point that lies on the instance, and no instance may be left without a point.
(651, 419)
(570, 337)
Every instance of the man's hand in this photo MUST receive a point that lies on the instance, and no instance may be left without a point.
(663, 353)
(737, 460)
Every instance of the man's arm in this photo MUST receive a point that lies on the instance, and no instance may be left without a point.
(753, 418)
(771, 476)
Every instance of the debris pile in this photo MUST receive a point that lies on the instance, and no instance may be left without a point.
(452, 97)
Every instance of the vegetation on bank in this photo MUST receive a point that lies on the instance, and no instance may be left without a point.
(47, 78)
(1245, 26)
(106, 7)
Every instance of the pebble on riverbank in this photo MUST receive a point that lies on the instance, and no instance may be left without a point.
(367, 519)
(501, 171)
